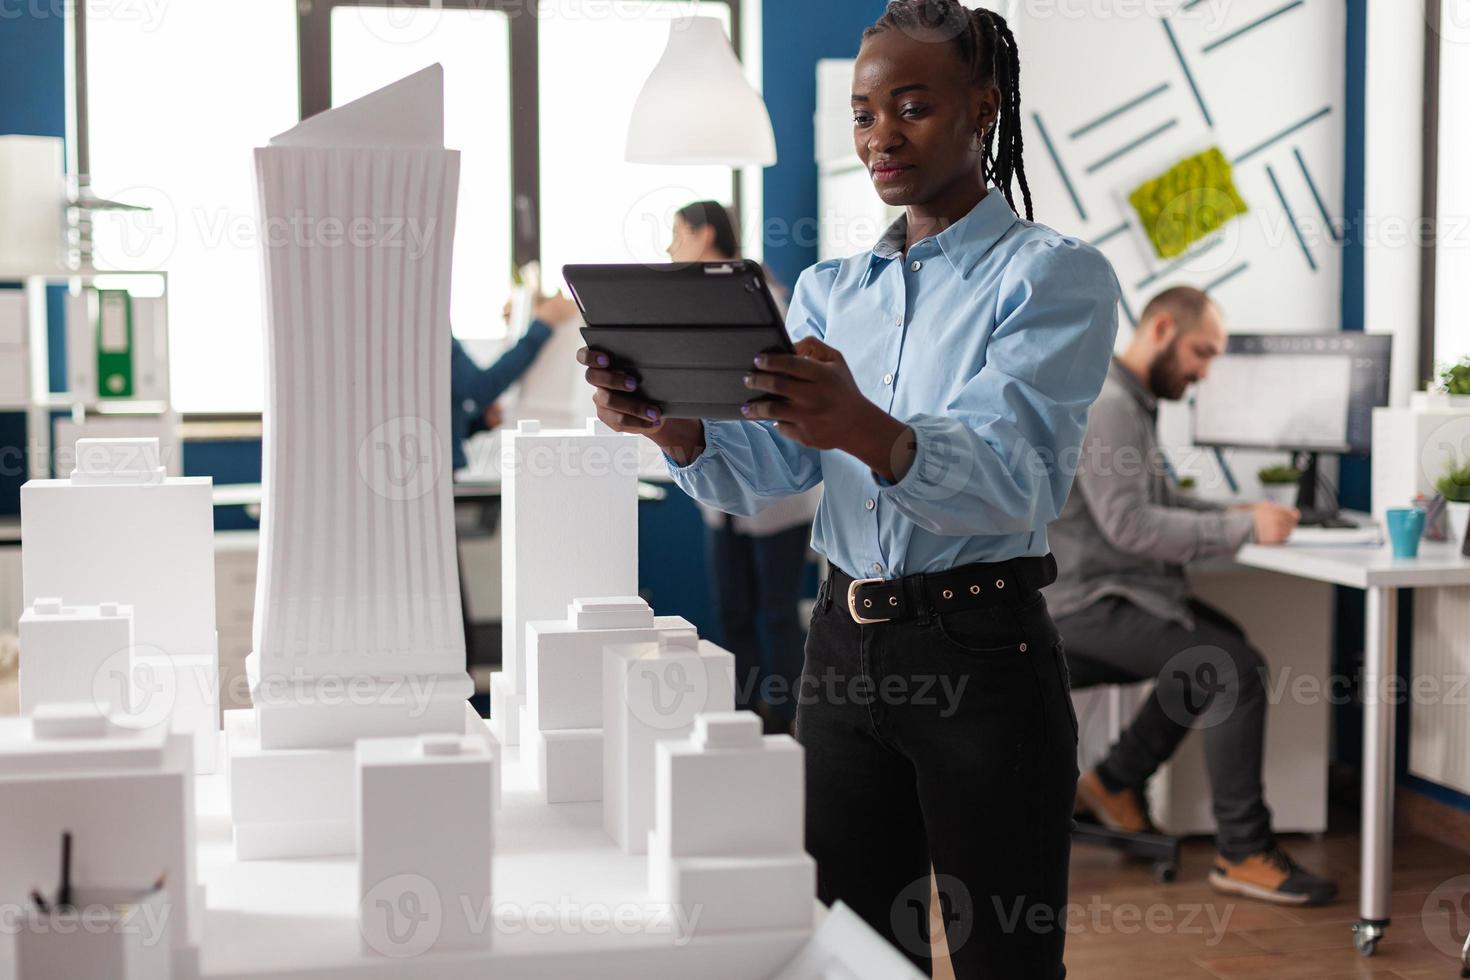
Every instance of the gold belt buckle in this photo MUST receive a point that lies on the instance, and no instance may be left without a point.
(852, 602)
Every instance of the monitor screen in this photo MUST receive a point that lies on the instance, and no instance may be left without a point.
(1300, 392)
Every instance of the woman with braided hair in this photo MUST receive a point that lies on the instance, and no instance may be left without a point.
(939, 391)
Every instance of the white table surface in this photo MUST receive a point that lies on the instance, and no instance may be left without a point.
(1438, 564)
(297, 919)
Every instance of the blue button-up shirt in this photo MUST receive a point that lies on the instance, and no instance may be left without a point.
(990, 341)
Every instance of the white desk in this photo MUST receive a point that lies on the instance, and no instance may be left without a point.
(1381, 576)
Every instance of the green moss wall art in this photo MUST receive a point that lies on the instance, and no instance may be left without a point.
(1190, 201)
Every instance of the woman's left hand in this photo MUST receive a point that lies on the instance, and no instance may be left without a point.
(818, 404)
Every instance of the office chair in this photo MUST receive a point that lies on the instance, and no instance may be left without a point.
(1160, 850)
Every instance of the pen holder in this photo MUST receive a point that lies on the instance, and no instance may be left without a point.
(106, 934)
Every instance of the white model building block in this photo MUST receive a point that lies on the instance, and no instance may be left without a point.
(67, 653)
(844, 947)
(424, 839)
(728, 826)
(127, 797)
(569, 509)
(358, 626)
(563, 710)
(118, 531)
(651, 692)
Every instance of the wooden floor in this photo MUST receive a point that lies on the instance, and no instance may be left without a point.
(1197, 934)
(1124, 926)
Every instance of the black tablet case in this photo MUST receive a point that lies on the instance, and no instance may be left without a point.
(688, 331)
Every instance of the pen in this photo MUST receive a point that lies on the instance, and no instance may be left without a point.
(63, 896)
(39, 901)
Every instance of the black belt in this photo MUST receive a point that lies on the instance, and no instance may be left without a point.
(876, 600)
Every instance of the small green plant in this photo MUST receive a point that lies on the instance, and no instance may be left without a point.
(1454, 486)
(1187, 483)
(1279, 475)
(1455, 379)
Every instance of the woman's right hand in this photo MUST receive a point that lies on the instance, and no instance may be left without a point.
(623, 409)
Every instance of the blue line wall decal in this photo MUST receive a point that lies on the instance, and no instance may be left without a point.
(1222, 280)
(1112, 114)
(1051, 149)
(1317, 196)
(1321, 113)
(1291, 216)
(1188, 75)
(1246, 29)
(1128, 148)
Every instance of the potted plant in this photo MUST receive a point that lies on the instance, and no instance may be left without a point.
(1454, 487)
(1452, 390)
(1279, 484)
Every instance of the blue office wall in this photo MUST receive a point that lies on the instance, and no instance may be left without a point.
(796, 34)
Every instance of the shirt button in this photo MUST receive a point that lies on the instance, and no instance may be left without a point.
(898, 322)
(888, 379)
(917, 266)
(871, 504)
(877, 568)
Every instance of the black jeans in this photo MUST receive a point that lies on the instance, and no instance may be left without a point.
(757, 584)
(1208, 677)
(944, 741)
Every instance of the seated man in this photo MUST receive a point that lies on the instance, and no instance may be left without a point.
(1122, 601)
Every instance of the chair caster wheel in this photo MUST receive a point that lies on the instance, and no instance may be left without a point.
(1366, 936)
(1165, 872)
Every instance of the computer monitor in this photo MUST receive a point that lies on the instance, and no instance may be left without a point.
(1294, 392)
(1303, 393)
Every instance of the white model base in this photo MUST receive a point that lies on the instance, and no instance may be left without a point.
(111, 934)
(846, 947)
(568, 903)
(506, 709)
(734, 894)
(566, 764)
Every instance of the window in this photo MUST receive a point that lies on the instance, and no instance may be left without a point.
(537, 99)
(373, 46)
(175, 104)
(595, 206)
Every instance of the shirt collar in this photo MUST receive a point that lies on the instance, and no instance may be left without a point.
(963, 243)
(1133, 386)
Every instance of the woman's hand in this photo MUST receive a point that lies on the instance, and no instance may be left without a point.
(555, 311)
(818, 404)
(621, 407)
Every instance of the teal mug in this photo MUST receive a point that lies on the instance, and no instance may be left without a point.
(1405, 528)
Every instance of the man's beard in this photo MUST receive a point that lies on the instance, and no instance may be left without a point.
(1165, 379)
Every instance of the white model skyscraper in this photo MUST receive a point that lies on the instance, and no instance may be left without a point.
(358, 630)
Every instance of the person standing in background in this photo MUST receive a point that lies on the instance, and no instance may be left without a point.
(755, 563)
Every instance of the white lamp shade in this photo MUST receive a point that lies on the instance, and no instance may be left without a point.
(697, 108)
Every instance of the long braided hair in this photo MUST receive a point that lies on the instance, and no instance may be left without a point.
(988, 48)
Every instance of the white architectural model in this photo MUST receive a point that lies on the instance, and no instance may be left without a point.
(119, 531)
(844, 947)
(76, 653)
(652, 692)
(127, 797)
(561, 743)
(358, 631)
(424, 843)
(569, 507)
(728, 825)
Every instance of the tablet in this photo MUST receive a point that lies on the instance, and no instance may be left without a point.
(689, 331)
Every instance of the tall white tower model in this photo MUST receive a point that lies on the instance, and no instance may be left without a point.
(358, 630)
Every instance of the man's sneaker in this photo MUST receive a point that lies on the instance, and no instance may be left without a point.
(1272, 876)
(1121, 811)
